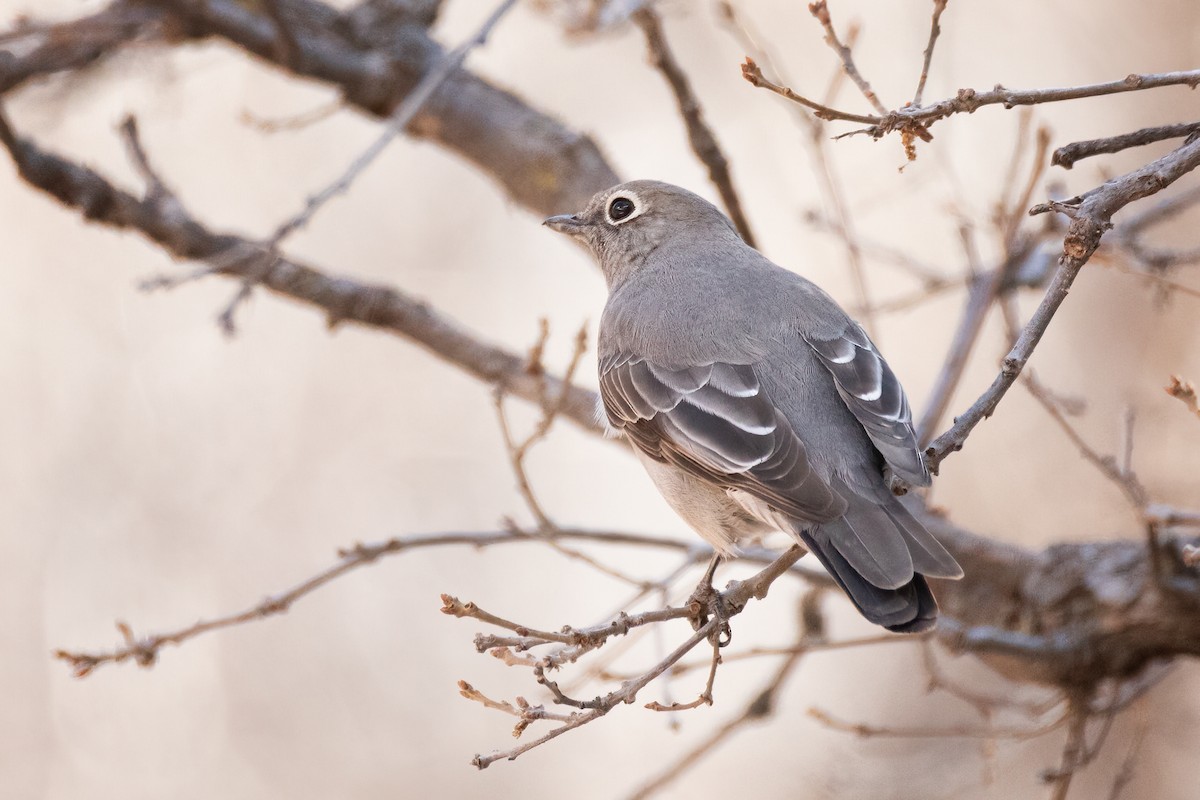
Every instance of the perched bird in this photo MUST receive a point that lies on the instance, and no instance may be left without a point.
(754, 401)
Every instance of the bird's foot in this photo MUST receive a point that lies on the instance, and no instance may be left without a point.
(705, 601)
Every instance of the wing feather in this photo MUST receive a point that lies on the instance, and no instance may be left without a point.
(874, 395)
(716, 422)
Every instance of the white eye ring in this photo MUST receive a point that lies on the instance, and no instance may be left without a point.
(638, 207)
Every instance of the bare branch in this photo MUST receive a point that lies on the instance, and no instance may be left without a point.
(821, 11)
(1068, 155)
(949, 732)
(342, 300)
(543, 165)
(732, 601)
(915, 120)
(1072, 753)
(625, 694)
(752, 73)
(1091, 216)
(700, 135)
(523, 711)
(1126, 481)
(980, 297)
(935, 30)
(399, 120)
(144, 650)
(761, 706)
(706, 696)
(78, 44)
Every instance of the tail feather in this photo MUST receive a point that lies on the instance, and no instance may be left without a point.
(879, 553)
(908, 609)
(928, 556)
(874, 545)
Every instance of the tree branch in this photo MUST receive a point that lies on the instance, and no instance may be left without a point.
(542, 165)
(935, 30)
(700, 135)
(1091, 216)
(1068, 155)
(341, 300)
(76, 45)
(915, 120)
(1007, 583)
(400, 118)
(820, 10)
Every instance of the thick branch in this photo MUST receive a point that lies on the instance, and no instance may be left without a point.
(76, 44)
(400, 118)
(342, 300)
(542, 165)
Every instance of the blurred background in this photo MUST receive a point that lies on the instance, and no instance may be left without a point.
(156, 471)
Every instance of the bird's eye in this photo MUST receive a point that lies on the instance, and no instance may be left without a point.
(620, 208)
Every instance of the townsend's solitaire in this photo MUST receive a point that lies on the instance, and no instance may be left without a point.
(754, 401)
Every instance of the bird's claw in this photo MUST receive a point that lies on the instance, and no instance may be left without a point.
(706, 603)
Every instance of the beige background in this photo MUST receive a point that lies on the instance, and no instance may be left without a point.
(156, 472)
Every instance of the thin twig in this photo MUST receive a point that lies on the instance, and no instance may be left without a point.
(814, 646)
(761, 706)
(1127, 481)
(552, 405)
(821, 11)
(1060, 779)
(948, 732)
(293, 122)
(979, 301)
(396, 123)
(523, 711)
(752, 73)
(831, 189)
(700, 135)
(984, 704)
(1165, 284)
(625, 694)
(144, 650)
(935, 30)
(1127, 770)
(706, 696)
(914, 120)
(1011, 222)
(1091, 217)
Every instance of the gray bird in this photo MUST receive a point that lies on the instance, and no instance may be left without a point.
(754, 401)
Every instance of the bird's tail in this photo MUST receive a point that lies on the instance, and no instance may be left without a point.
(880, 554)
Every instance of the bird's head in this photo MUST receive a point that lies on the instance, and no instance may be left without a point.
(623, 225)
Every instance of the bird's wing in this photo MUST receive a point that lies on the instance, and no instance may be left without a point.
(716, 422)
(874, 395)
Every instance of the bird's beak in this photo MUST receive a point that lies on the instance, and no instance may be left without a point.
(569, 224)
